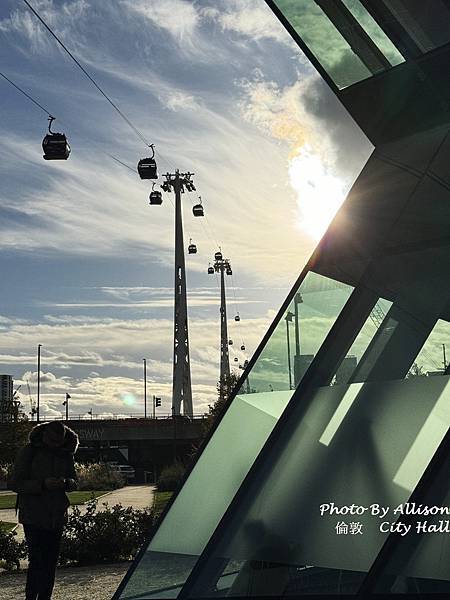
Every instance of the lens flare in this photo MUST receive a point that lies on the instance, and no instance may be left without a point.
(319, 194)
(128, 398)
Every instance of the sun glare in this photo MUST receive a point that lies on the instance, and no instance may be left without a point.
(319, 194)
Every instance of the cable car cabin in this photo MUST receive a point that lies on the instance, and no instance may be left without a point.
(218, 256)
(55, 146)
(147, 168)
(192, 249)
(237, 318)
(236, 359)
(230, 342)
(210, 270)
(229, 271)
(155, 197)
(242, 347)
(198, 211)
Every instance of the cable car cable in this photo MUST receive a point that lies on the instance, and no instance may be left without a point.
(91, 79)
(27, 95)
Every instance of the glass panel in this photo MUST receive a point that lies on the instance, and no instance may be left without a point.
(220, 469)
(421, 563)
(349, 364)
(428, 28)
(324, 41)
(234, 446)
(374, 31)
(433, 358)
(362, 446)
(298, 335)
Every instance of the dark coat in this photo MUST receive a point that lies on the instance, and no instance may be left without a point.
(46, 509)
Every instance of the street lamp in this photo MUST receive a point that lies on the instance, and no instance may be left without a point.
(38, 380)
(289, 316)
(145, 387)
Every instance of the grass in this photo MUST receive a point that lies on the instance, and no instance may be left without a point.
(6, 526)
(82, 497)
(160, 499)
(9, 500)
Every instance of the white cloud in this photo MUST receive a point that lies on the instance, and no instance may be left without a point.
(249, 18)
(179, 17)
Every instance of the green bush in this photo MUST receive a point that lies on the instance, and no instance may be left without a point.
(109, 535)
(11, 551)
(98, 476)
(171, 477)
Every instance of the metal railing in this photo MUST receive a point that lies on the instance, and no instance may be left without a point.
(121, 417)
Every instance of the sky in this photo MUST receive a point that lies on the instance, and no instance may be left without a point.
(86, 264)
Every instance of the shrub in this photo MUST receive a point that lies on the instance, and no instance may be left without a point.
(171, 477)
(98, 476)
(11, 551)
(110, 535)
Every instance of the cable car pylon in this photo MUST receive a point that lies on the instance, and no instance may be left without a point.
(181, 387)
(222, 265)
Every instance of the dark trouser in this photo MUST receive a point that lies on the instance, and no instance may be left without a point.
(43, 551)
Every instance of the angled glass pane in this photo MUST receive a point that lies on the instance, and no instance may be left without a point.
(326, 43)
(298, 336)
(234, 446)
(434, 357)
(350, 362)
(375, 32)
(363, 444)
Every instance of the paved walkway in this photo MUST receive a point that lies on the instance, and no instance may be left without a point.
(75, 583)
(137, 496)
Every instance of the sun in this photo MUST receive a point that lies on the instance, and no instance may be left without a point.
(319, 193)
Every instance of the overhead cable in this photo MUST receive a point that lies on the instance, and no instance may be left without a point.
(91, 79)
(27, 95)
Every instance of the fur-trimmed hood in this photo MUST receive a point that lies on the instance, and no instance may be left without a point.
(71, 440)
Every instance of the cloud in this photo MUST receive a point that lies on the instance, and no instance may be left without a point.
(178, 17)
(249, 18)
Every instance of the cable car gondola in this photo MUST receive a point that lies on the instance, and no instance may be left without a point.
(192, 248)
(210, 270)
(229, 271)
(55, 145)
(155, 196)
(237, 318)
(230, 342)
(243, 347)
(147, 167)
(236, 359)
(218, 256)
(197, 209)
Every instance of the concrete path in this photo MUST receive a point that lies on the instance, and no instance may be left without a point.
(76, 583)
(137, 496)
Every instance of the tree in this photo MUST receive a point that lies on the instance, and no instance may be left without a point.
(13, 436)
(225, 386)
(416, 371)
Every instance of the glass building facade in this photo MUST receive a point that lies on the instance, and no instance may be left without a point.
(346, 402)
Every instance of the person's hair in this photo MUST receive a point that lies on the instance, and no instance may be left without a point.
(56, 428)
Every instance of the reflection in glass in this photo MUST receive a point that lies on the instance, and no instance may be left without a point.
(375, 32)
(344, 38)
(298, 336)
(331, 457)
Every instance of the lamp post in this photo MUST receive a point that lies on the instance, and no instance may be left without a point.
(38, 380)
(145, 387)
(66, 404)
(288, 319)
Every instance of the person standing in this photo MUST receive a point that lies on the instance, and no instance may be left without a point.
(42, 474)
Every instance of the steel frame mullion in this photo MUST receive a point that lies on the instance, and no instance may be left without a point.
(337, 343)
